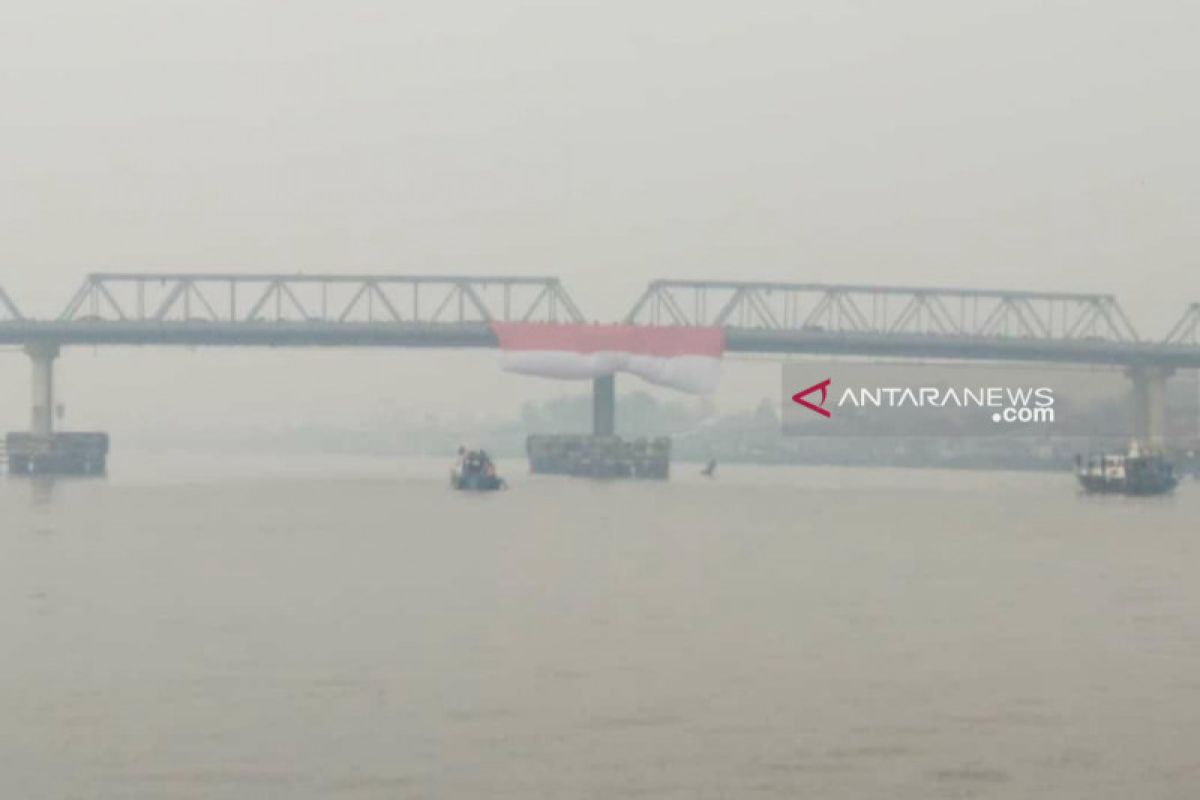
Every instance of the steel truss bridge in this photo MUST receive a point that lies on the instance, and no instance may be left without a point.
(294, 310)
(918, 322)
(214, 309)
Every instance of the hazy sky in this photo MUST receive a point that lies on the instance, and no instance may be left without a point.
(996, 143)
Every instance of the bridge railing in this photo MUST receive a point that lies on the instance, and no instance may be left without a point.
(231, 298)
(1187, 329)
(8, 309)
(883, 310)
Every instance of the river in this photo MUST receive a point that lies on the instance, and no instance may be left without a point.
(294, 628)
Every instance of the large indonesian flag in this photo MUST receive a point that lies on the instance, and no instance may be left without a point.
(688, 359)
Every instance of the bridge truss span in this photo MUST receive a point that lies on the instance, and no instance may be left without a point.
(8, 309)
(884, 310)
(318, 299)
(1187, 330)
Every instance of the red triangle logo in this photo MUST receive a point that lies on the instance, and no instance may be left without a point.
(823, 388)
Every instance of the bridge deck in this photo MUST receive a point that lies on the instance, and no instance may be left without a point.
(479, 335)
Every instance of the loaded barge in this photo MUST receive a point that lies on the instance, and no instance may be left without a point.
(56, 453)
(599, 456)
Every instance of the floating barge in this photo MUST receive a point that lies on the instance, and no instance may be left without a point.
(57, 453)
(599, 456)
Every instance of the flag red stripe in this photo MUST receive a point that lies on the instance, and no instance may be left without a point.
(664, 342)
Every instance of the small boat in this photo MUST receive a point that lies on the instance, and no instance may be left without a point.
(1131, 473)
(475, 472)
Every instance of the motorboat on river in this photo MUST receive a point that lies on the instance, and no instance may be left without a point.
(475, 472)
(1129, 473)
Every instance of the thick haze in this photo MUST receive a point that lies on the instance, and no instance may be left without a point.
(1009, 143)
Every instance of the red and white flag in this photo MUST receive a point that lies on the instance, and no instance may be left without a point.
(688, 359)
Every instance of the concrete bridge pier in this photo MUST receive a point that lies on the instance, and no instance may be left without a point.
(43, 450)
(1150, 405)
(604, 405)
(43, 357)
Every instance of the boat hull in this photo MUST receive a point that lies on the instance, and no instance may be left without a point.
(1098, 485)
(474, 482)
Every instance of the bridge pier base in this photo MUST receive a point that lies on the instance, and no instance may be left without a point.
(604, 405)
(1150, 405)
(43, 357)
(42, 450)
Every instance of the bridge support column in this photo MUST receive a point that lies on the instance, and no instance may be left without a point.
(604, 405)
(1150, 405)
(43, 357)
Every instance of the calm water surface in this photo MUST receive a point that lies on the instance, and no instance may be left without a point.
(287, 628)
